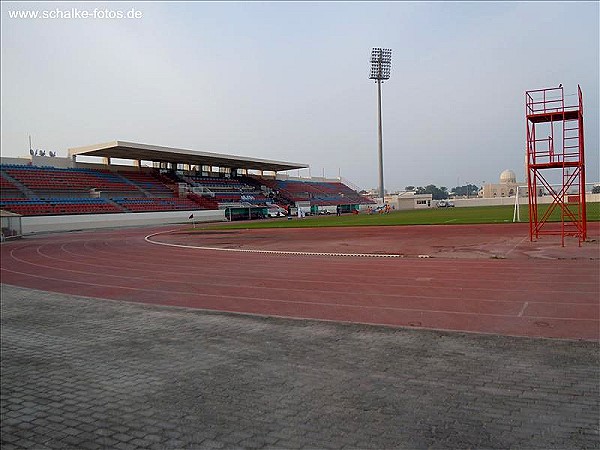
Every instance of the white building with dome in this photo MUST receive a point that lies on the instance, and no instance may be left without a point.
(506, 188)
(508, 176)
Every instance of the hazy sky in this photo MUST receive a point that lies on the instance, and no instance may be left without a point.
(289, 81)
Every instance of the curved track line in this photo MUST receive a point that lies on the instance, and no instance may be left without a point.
(333, 283)
(274, 252)
(448, 298)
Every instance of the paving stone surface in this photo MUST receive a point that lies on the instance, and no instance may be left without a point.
(91, 374)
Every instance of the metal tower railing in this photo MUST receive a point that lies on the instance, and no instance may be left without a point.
(555, 147)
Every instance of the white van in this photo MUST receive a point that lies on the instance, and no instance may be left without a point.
(276, 211)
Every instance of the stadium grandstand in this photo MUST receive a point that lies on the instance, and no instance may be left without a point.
(160, 179)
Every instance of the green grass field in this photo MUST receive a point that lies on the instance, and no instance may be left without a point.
(433, 216)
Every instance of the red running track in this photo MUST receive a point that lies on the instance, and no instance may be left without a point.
(524, 297)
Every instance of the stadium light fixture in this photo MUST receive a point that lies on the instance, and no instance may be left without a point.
(381, 64)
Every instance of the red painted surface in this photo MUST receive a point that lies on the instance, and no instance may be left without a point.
(460, 288)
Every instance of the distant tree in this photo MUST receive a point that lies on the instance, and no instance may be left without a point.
(462, 191)
(436, 193)
(409, 188)
(596, 190)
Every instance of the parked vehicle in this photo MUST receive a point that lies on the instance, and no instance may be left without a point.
(327, 210)
(276, 212)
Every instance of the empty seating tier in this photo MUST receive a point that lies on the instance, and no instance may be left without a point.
(320, 193)
(57, 206)
(53, 191)
(149, 183)
(229, 190)
(8, 189)
(51, 179)
(156, 204)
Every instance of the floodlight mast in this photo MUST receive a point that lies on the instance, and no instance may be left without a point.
(381, 62)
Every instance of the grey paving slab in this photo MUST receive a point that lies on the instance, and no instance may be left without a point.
(88, 373)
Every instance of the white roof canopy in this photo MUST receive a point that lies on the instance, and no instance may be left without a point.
(155, 153)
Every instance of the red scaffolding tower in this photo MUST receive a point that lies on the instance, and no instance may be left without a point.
(555, 149)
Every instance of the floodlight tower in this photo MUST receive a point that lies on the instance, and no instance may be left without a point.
(381, 63)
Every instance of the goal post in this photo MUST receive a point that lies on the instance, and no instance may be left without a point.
(517, 208)
(521, 203)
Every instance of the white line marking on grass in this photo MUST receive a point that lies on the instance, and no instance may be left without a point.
(273, 252)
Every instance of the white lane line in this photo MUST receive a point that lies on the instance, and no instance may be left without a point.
(523, 309)
(515, 246)
(238, 297)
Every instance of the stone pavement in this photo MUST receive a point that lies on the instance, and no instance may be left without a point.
(84, 374)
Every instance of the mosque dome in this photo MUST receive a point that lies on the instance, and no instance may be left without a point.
(508, 176)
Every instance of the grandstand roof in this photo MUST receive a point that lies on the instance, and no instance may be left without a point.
(155, 153)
